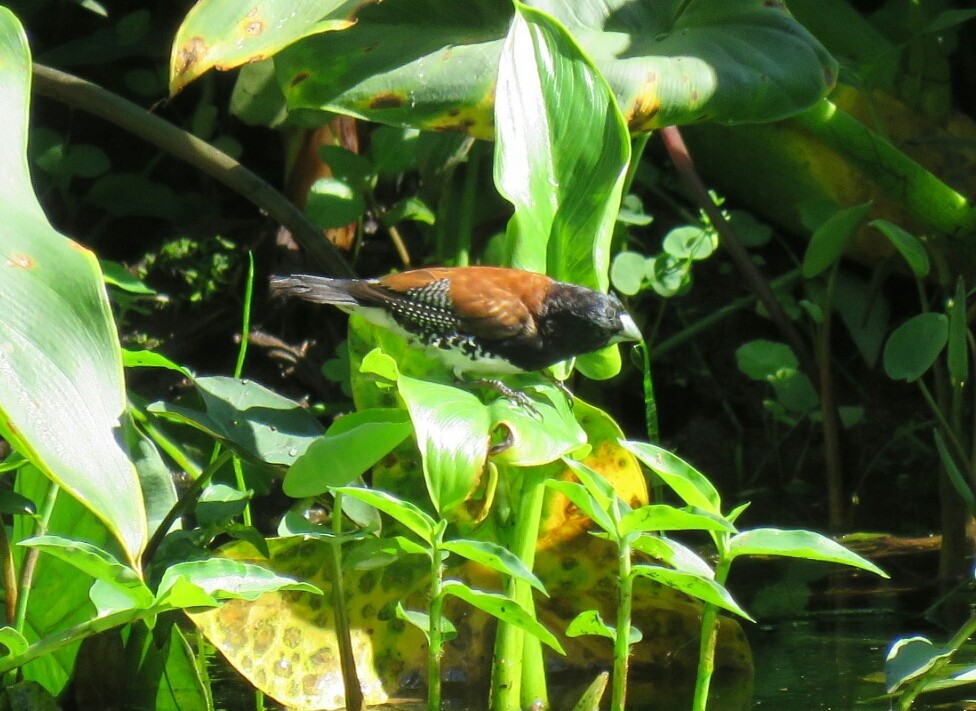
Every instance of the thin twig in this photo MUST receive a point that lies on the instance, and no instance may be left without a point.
(89, 97)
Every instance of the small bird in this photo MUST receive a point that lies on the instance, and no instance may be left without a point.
(478, 320)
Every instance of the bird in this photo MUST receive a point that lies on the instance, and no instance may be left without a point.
(478, 320)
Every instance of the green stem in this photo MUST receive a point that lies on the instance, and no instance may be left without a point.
(77, 92)
(828, 409)
(469, 197)
(621, 644)
(435, 644)
(948, 431)
(29, 565)
(184, 503)
(784, 282)
(9, 575)
(347, 660)
(147, 424)
(239, 369)
(709, 638)
(510, 689)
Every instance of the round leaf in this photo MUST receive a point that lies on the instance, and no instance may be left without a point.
(913, 347)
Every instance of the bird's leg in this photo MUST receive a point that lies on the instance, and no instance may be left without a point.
(516, 396)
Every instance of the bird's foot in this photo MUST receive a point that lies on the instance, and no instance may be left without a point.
(516, 396)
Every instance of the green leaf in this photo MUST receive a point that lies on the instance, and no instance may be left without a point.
(334, 203)
(151, 359)
(219, 504)
(584, 500)
(763, 360)
(225, 34)
(403, 511)
(668, 276)
(701, 587)
(62, 391)
(254, 421)
(347, 450)
(959, 481)
(669, 63)
(421, 620)
(913, 347)
(13, 640)
(909, 658)
(561, 156)
(222, 579)
(865, 313)
(831, 239)
(97, 563)
(797, 544)
(540, 437)
(452, 433)
(627, 272)
(661, 517)
(495, 557)
(504, 609)
(690, 242)
(14, 504)
(589, 622)
(908, 245)
(676, 555)
(691, 485)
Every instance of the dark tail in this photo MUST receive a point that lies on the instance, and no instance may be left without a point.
(317, 289)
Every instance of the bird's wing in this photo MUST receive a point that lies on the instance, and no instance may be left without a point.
(488, 302)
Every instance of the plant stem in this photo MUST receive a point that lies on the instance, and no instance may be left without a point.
(828, 409)
(510, 689)
(77, 92)
(434, 641)
(347, 660)
(239, 369)
(9, 575)
(621, 644)
(740, 257)
(29, 564)
(709, 638)
(183, 504)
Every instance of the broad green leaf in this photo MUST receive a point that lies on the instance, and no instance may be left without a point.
(958, 353)
(97, 563)
(346, 451)
(495, 557)
(371, 553)
(831, 239)
(403, 511)
(539, 437)
(584, 501)
(13, 503)
(661, 517)
(703, 588)
(908, 245)
(503, 608)
(913, 347)
(678, 556)
(224, 579)
(219, 504)
(62, 390)
(691, 485)
(226, 34)
(452, 433)
(333, 203)
(797, 544)
(254, 421)
(561, 157)
(909, 658)
(669, 62)
(421, 620)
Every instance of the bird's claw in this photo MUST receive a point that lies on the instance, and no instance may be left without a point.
(516, 396)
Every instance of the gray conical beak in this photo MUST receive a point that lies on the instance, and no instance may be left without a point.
(628, 329)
